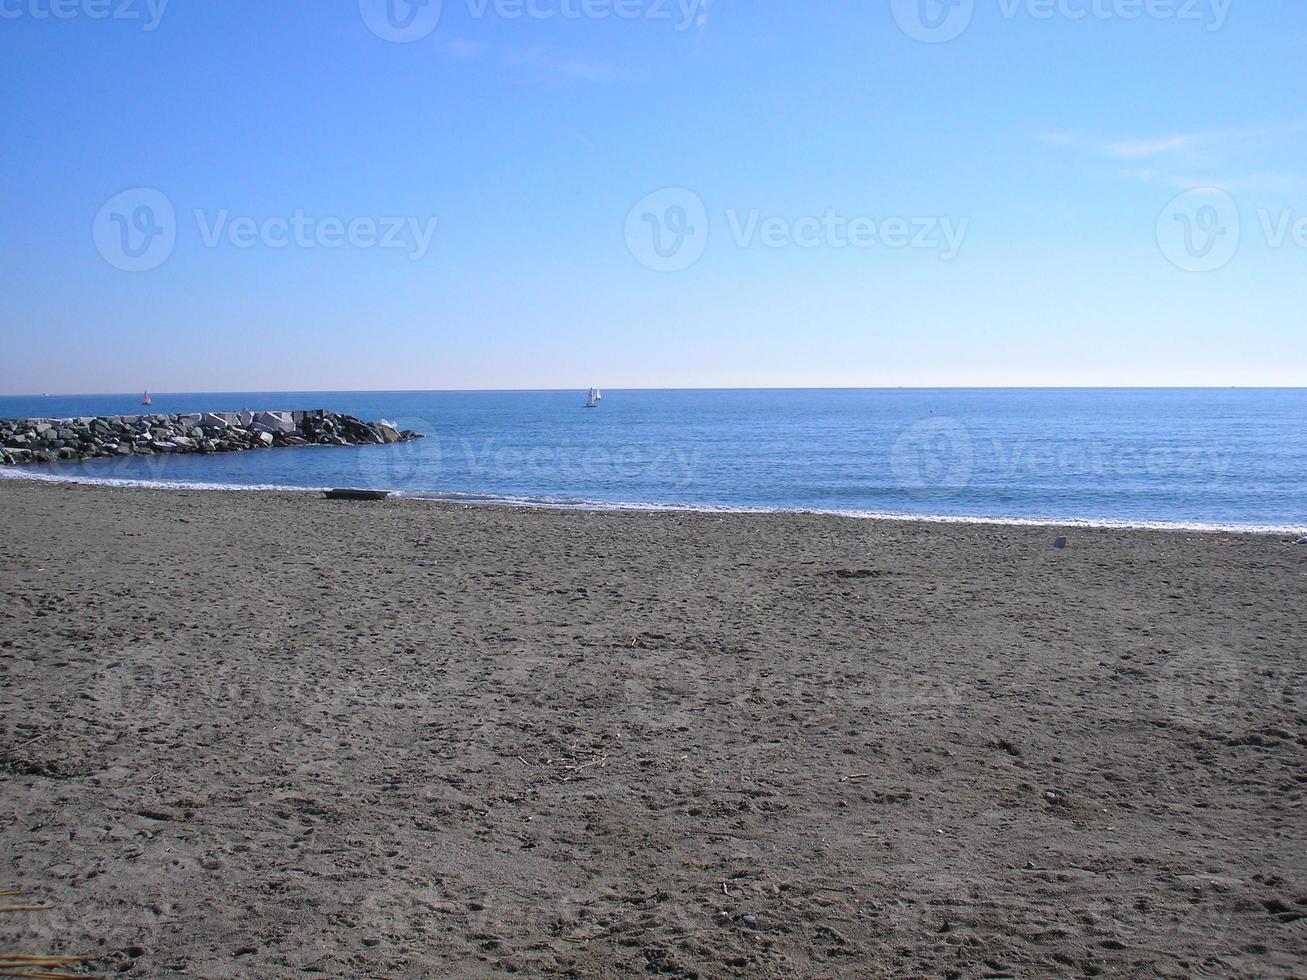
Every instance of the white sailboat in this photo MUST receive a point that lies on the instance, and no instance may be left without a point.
(593, 399)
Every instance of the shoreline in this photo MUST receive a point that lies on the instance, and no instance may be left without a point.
(475, 499)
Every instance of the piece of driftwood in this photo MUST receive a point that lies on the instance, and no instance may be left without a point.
(349, 493)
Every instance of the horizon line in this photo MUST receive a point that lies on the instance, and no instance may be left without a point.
(514, 390)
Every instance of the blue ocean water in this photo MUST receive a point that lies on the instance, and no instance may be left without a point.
(1196, 457)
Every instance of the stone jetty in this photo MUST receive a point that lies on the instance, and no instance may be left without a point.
(51, 440)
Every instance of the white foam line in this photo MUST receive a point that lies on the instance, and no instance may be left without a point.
(14, 473)
(552, 503)
(545, 503)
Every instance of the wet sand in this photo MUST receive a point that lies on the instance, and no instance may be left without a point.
(256, 734)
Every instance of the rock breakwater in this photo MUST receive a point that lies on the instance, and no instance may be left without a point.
(52, 440)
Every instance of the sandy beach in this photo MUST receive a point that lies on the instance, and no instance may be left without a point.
(255, 734)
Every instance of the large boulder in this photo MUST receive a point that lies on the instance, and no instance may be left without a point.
(278, 423)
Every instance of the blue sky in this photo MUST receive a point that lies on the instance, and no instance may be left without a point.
(1067, 192)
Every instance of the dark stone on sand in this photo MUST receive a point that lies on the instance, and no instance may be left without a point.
(352, 493)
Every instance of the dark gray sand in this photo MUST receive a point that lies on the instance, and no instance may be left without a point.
(264, 734)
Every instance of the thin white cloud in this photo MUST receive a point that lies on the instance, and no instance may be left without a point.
(1226, 142)
(540, 65)
(529, 56)
(465, 50)
(1191, 161)
(1264, 182)
(701, 20)
(580, 137)
(587, 71)
(1153, 147)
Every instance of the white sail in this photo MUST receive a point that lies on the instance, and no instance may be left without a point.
(592, 399)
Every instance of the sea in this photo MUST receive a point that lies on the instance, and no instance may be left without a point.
(1189, 458)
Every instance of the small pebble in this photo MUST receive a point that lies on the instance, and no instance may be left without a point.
(749, 920)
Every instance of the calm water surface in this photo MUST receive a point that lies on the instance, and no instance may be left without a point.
(1183, 456)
